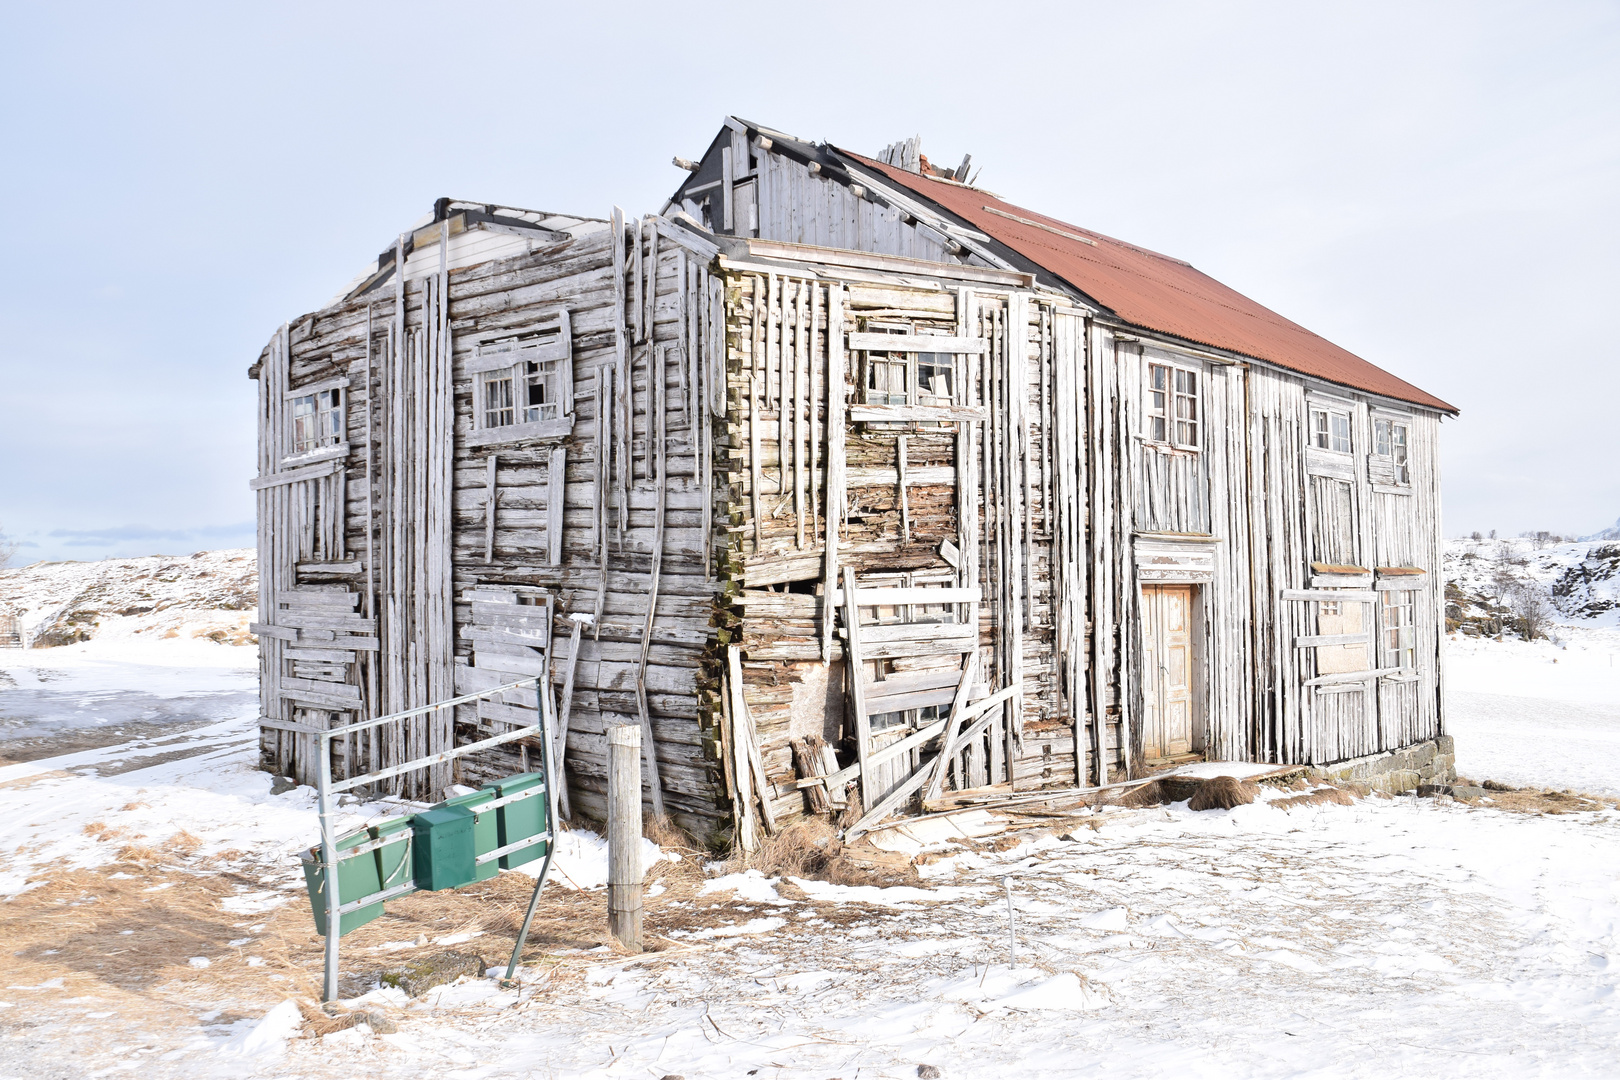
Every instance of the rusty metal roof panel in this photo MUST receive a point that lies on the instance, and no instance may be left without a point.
(1155, 291)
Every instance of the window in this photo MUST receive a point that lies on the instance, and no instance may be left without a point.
(898, 378)
(317, 420)
(1396, 624)
(1172, 406)
(523, 386)
(1330, 430)
(1389, 444)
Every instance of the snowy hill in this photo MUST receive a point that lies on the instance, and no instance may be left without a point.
(1611, 533)
(211, 594)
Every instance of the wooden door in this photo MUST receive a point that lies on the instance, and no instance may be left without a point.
(1167, 670)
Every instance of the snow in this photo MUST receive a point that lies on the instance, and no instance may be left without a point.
(1390, 937)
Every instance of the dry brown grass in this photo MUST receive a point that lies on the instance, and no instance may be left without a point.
(138, 854)
(131, 806)
(1223, 793)
(183, 843)
(100, 830)
(1530, 800)
(1322, 796)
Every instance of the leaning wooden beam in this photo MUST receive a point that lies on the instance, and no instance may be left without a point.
(855, 672)
(747, 742)
(566, 710)
(655, 379)
(970, 674)
(604, 449)
(733, 705)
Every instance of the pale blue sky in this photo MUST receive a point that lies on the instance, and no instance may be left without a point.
(1432, 186)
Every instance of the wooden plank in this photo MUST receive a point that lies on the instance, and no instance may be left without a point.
(305, 621)
(835, 462)
(318, 599)
(333, 702)
(266, 630)
(328, 656)
(900, 474)
(916, 343)
(915, 414)
(492, 498)
(292, 476)
(955, 718)
(1335, 595)
(1352, 676)
(556, 487)
(889, 633)
(1312, 641)
(914, 699)
(855, 674)
(896, 597)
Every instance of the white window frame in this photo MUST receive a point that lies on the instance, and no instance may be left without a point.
(1391, 458)
(1397, 637)
(506, 360)
(1324, 434)
(1173, 414)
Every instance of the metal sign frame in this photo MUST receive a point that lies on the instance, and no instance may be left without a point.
(326, 788)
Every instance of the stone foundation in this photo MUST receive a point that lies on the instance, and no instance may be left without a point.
(1433, 762)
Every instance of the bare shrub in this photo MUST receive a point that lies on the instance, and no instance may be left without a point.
(1532, 610)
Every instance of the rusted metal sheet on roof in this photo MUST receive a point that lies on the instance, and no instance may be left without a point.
(1155, 291)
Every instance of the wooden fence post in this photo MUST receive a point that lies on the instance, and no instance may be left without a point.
(624, 835)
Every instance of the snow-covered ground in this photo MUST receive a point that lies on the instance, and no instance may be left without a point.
(1543, 712)
(1395, 937)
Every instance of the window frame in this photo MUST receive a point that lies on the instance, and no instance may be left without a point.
(1168, 411)
(1327, 430)
(334, 418)
(1392, 456)
(910, 364)
(1397, 637)
(505, 359)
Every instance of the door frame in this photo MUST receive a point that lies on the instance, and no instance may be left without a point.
(1197, 733)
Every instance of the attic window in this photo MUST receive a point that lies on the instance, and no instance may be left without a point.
(523, 386)
(1172, 406)
(317, 420)
(1330, 430)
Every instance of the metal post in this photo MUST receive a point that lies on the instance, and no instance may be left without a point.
(551, 827)
(624, 835)
(323, 796)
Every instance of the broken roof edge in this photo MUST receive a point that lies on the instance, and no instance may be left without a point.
(496, 216)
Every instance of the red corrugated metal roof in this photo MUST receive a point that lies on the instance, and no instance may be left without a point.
(1155, 291)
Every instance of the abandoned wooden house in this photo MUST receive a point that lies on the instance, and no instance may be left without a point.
(843, 478)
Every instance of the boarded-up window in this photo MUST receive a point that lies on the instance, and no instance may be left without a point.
(1333, 533)
(1341, 618)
